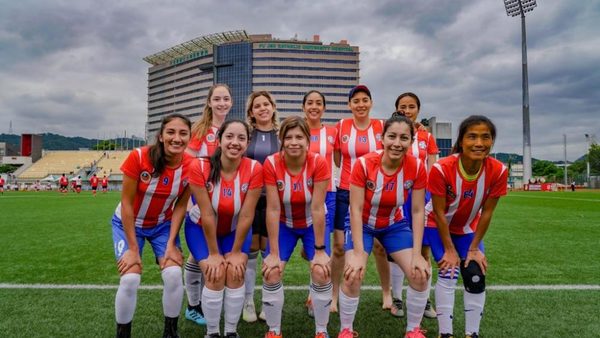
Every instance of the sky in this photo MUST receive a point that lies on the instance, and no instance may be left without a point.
(75, 67)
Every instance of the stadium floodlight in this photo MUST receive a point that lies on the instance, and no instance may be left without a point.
(516, 8)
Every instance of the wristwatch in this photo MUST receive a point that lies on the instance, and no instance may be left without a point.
(322, 247)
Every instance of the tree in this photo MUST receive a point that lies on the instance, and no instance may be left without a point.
(544, 168)
(594, 157)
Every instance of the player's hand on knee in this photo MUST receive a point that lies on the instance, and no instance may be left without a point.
(271, 264)
(477, 256)
(236, 262)
(129, 259)
(173, 254)
(419, 267)
(450, 261)
(215, 267)
(321, 265)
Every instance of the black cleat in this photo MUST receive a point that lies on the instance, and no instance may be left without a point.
(170, 328)
(124, 330)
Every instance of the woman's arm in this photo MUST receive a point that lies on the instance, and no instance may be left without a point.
(484, 223)
(172, 252)
(450, 260)
(132, 256)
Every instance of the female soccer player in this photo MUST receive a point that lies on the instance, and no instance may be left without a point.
(217, 229)
(465, 189)
(380, 183)
(262, 116)
(153, 181)
(355, 137)
(425, 148)
(204, 143)
(296, 182)
(322, 142)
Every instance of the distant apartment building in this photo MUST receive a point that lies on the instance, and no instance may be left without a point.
(179, 77)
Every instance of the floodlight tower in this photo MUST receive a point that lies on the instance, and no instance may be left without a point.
(516, 8)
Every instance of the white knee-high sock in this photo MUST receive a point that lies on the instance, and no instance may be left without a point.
(234, 302)
(397, 280)
(444, 302)
(321, 300)
(474, 303)
(194, 282)
(250, 277)
(126, 297)
(272, 298)
(172, 291)
(212, 304)
(415, 305)
(348, 307)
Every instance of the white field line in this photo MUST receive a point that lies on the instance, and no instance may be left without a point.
(558, 198)
(560, 287)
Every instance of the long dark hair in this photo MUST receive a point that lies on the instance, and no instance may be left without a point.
(468, 122)
(215, 159)
(413, 95)
(310, 92)
(157, 150)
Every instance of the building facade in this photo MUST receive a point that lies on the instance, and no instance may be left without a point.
(442, 131)
(179, 77)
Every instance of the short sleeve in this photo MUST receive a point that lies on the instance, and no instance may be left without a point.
(196, 173)
(256, 179)
(432, 148)
(270, 178)
(131, 166)
(321, 170)
(358, 176)
(498, 187)
(436, 182)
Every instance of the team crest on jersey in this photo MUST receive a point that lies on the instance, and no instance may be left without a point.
(145, 177)
(314, 138)
(422, 145)
(309, 182)
(280, 185)
(408, 184)
(185, 182)
(449, 192)
(378, 137)
(468, 194)
(165, 180)
(345, 138)
(370, 185)
(330, 139)
(210, 138)
(244, 187)
(209, 186)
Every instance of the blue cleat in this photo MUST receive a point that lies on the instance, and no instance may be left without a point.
(195, 316)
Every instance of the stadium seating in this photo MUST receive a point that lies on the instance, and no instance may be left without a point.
(111, 163)
(59, 162)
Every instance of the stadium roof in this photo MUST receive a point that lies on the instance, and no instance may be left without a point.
(194, 45)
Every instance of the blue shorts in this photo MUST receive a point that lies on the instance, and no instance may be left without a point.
(157, 236)
(396, 237)
(461, 243)
(288, 238)
(196, 242)
(342, 215)
(330, 204)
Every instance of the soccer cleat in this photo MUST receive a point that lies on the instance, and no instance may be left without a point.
(472, 335)
(170, 330)
(272, 334)
(249, 312)
(195, 315)
(397, 309)
(262, 316)
(231, 335)
(429, 310)
(213, 335)
(322, 335)
(347, 333)
(309, 308)
(446, 335)
(415, 333)
(124, 330)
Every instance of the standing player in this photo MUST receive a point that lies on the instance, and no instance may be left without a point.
(355, 137)
(104, 184)
(155, 179)
(296, 181)
(380, 183)
(63, 183)
(217, 230)
(322, 142)
(2, 185)
(465, 189)
(424, 148)
(261, 112)
(203, 143)
(94, 184)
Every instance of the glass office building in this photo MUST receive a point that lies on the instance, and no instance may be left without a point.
(179, 77)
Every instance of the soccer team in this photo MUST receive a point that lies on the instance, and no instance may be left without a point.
(258, 187)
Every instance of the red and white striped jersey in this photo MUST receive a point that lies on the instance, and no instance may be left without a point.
(206, 145)
(322, 142)
(352, 143)
(424, 145)
(385, 194)
(227, 196)
(295, 191)
(465, 199)
(153, 203)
